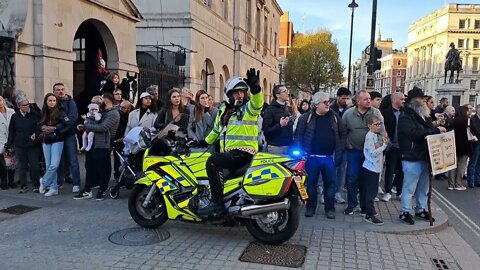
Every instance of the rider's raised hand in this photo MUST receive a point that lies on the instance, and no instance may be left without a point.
(253, 80)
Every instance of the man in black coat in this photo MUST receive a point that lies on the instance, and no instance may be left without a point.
(414, 126)
(339, 106)
(393, 159)
(278, 122)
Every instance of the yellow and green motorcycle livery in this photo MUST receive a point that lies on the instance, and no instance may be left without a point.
(260, 196)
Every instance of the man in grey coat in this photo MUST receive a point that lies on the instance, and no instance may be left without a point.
(354, 123)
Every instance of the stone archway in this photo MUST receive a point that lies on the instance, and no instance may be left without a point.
(91, 37)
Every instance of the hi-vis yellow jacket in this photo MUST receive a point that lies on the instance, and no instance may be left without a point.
(238, 134)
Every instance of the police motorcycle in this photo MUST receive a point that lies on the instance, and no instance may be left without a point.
(265, 195)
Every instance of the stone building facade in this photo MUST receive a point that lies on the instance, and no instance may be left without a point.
(222, 38)
(428, 43)
(58, 41)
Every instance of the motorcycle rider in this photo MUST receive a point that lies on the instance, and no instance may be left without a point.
(236, 127)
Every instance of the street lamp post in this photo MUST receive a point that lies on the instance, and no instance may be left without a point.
(352, 6)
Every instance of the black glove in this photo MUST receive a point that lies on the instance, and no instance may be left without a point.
(253, 81)
(200, 144)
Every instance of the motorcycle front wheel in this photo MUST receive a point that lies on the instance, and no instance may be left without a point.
(277, 227)
(151, 216)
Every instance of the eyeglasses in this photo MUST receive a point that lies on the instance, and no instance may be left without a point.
(377, 124)
(326, 102)
(24, 105)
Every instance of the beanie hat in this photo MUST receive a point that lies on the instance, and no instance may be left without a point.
(93, 106)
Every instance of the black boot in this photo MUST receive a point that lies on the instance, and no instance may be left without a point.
(212, 209)
(3, 182)
(11, 179)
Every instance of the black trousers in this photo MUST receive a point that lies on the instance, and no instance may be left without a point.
(98, 169)
(393, 167)
(215, 165)
(368, 191)
(28, 157)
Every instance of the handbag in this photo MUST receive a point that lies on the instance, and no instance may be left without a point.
(470, 136)
(10, 161)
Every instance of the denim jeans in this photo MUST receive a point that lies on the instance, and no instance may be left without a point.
(355, 160)
(341, 165)
(71, 159)
(473, 170)
(416, 179)
(325, 166)
(53, 154)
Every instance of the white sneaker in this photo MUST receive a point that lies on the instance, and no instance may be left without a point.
(376, 199)
(387, 197)
(394, 190)
(83, 195)
(339, 199)
(380, 191)
(41, 189)
(51, 192)
(76, 189)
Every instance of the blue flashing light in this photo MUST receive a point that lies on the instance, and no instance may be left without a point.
(296, 153)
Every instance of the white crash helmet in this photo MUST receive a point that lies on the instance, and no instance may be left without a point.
(233, 84)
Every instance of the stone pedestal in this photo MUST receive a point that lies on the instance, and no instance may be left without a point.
(454, 92)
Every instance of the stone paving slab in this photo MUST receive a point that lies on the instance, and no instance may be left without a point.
(68, 234)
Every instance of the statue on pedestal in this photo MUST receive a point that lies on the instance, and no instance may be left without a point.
(453, 63)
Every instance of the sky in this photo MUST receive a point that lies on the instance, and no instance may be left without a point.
(393, 19)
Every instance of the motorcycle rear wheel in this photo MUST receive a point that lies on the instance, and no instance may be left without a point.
(152, 216)
(282, 230)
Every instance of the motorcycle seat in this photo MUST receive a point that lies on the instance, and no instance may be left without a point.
(237, 172)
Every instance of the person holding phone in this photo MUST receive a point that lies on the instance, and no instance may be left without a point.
(278, 122)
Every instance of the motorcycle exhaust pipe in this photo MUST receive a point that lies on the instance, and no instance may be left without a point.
(251, 210)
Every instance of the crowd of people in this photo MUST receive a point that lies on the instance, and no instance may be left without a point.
(367, 144)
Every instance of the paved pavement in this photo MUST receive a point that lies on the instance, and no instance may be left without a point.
(463, 211)
(68, 234)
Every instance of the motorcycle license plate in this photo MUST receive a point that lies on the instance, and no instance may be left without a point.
(301, 187)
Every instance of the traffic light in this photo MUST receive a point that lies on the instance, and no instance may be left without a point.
(376, 61)
(377, 64)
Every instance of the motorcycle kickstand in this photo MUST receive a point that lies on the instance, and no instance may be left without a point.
(149, 195)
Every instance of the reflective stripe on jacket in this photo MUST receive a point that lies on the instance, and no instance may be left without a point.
(238, 133)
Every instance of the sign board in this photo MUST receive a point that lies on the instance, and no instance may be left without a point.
(442, 152)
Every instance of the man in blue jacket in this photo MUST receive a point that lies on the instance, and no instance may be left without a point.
(69, 159)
